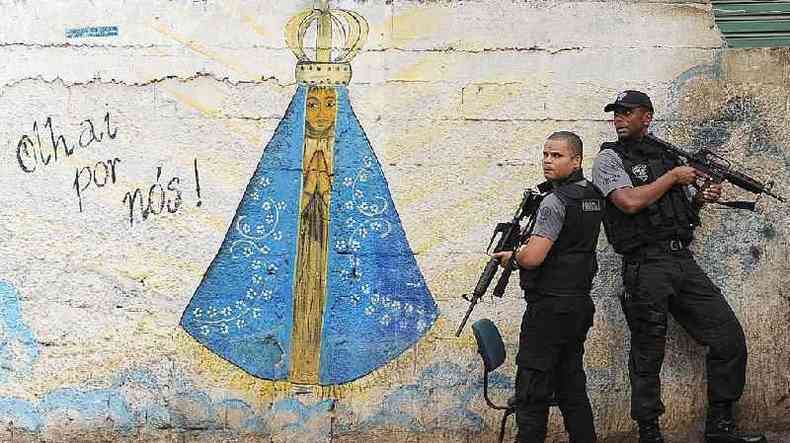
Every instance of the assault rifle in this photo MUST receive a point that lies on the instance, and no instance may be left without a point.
(510, 238)
(719, 170)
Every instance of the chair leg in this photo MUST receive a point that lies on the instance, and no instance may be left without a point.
(507, 414)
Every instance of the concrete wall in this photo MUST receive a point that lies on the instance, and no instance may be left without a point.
(455, 98)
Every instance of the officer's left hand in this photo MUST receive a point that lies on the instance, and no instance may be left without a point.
(711, 192)
(503, 257)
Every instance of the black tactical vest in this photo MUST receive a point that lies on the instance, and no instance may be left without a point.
(571, 264)
(672, 217)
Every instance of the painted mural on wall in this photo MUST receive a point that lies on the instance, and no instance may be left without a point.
(315, 281)
(18, 347)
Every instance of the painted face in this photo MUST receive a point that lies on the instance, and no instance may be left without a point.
(321, 109)
(631, 124)
(559, 161)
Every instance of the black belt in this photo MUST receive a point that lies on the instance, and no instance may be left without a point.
(674, 245)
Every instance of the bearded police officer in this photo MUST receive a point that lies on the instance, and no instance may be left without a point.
(650, 216)
(557, 265)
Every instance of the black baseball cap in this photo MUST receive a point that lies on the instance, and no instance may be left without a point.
(630, 99)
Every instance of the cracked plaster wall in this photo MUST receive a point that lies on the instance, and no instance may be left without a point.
(456, 98)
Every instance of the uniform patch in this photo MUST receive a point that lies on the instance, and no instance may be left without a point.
(591, 205)
(544, 215)
(640, 171)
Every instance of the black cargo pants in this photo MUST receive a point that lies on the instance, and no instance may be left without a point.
(659, 280)
(551, 347)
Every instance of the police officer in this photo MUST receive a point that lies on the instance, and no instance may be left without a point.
(650, 216)
(557, 265)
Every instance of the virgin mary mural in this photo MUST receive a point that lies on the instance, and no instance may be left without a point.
(315, 281)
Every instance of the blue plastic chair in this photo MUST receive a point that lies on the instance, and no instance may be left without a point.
(492, 350)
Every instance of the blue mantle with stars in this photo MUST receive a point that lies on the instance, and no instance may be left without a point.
(377, 304)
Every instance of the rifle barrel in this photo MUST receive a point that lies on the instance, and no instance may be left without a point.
(469, 310)
(776, 196)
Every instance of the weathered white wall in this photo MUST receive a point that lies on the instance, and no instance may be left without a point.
(456, 98)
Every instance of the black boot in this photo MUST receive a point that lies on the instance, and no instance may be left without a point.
(720, 427)
(649, 432)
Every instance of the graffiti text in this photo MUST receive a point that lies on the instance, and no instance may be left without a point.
(159, 198)
(103, 173)
(32, 152)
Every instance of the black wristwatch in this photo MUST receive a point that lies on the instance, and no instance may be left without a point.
(513, 261)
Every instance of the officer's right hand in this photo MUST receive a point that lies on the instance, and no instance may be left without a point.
(684, 175)
(503, 257)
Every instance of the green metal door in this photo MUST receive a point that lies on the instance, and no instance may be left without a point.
(753, 24)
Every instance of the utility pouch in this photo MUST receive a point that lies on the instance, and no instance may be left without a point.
(631, 277)
(654, 323)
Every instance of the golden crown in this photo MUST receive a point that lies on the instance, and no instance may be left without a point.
(331, 64)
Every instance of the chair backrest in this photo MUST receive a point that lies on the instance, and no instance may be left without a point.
(489, 344)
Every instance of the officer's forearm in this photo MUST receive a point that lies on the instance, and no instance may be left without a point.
(532, 253)
(633, 200)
